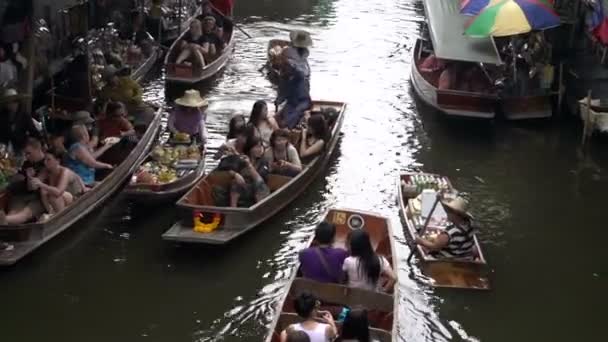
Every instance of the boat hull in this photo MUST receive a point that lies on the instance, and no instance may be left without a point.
(452, 273)
(238, 221)
(527, 107)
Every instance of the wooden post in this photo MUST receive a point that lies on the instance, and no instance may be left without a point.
(586, 119)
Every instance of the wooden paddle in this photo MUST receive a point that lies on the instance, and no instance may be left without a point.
(232, 21)
(423, 230)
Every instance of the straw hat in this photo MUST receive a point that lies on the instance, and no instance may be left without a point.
(192, 98)
(10, 95)
(82, 117)
(300, 39)
(458, 205)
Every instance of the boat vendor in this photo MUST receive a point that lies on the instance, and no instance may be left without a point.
(120, 87)
(189, 116)
(294, 86)
(458, 238)
(15, 124)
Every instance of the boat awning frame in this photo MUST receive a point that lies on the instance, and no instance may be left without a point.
(446, 27)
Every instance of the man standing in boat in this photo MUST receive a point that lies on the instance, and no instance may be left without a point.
(458, 238)
(294, 85)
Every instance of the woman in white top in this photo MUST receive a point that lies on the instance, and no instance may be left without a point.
(263, 126)
(318, 325)
(364, 268)
(282, 155)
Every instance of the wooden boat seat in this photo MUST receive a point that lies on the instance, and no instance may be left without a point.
(344, 295)
(202, 194)
(287, 318)
(275, 182)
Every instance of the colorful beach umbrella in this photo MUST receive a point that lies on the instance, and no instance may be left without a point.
(510, 17)
(474, 7)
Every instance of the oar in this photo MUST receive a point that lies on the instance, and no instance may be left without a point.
(423, 230)
(232, 21)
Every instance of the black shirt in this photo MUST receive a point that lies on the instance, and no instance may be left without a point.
(188, 39)
(16, 130)
(212, 38)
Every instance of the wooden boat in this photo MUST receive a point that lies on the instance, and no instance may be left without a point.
(233, 222)
(27, 237)
(453, 273)
(167, 192)
(273, 70)
(188, 74)
(382, 308)
(451, 102)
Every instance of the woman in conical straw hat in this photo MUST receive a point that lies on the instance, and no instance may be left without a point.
(189, 116)
(294, 86)
(457, 240)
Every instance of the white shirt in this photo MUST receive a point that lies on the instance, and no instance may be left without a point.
(8, 73)
(318, 334)
(359, 280)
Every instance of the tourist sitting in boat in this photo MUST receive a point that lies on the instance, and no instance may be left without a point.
(364, 268)
(355, 327)
(191, 45)
(84, 118)
(323, 262)
(314, 137)
(262, 124)
(294, 85)
(82, 159)
(249, 184)
(15, 124)
(447, 76)
(318, 325)
(120, 87)
(24, 204)
(237, 123)
(115, 123)
(60, 185)
(189, 117)
(207, 11)
(236, 145)
(213, 42)
(282, 155)
(458, 238)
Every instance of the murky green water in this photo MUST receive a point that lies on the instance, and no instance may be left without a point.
(540, 204)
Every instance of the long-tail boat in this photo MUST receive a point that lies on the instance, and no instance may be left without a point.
(468, 273)
(382, 307)
(231, 223)
(191, 73)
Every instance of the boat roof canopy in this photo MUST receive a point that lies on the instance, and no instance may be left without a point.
(446, 27)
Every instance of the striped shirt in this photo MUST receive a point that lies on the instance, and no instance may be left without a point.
(461, 241)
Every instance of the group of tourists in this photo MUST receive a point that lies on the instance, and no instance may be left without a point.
(205, 40)
(359, 267)
(59, 161)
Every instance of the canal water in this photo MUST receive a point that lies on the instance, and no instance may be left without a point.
(539, 200)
